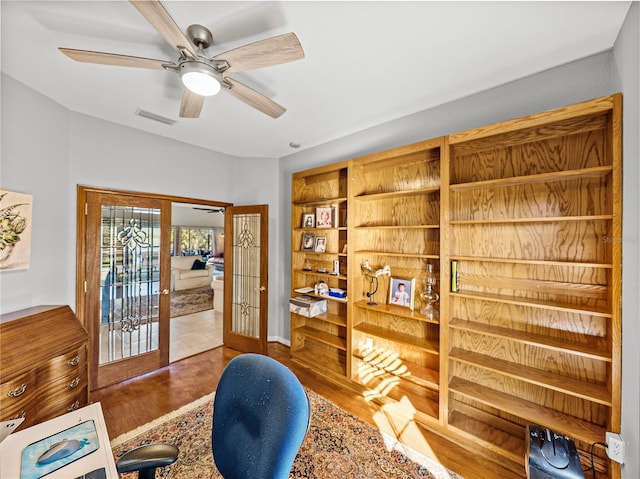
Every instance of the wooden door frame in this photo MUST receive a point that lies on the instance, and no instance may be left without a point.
(81, 246)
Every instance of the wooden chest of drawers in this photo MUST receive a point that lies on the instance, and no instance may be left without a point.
(43, 367)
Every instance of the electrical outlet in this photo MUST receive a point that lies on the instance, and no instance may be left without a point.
(615, 447)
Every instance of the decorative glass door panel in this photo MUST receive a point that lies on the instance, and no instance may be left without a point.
(127, 277)
(246, 284)
(129, 283)
(245, 305)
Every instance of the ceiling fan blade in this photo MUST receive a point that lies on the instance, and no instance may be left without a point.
(159, 18)
(191, 104)
(101, 58)
(264, 53)
(254, 99)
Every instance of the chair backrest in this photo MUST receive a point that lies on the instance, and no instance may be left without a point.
(261, 415)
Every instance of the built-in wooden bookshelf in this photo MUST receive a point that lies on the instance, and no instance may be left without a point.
(529, 331)
(534, 210)
(321, 341)
(394, 221)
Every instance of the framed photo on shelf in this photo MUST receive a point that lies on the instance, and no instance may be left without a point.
(324, 217)
(308, 220)
(402, 292)
(321, 244)
(308, 242)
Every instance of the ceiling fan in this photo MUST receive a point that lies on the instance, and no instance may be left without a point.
(203, 75)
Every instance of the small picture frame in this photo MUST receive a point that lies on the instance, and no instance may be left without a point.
(321, 244)
(308, 220)
(402, 292)
(324, 217)
(308, 242)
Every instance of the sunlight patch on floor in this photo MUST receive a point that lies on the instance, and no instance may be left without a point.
(382, 371)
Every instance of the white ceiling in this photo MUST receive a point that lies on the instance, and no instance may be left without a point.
(366, 62)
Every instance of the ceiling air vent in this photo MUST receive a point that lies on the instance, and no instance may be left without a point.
(153, 116)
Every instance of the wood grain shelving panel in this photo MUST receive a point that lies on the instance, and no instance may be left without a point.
(403, 369)
(532, 179)
(428, 345)
(552, 305)
(396, 194)
(399, 255)
(532, 412)
(395, 310)
(493, 259)
(319, 360)
(320, 202)
(593, 347)
(591, 392)
(323, 337)
(542, 219)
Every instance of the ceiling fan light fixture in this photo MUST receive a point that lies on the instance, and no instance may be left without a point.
(199, 78)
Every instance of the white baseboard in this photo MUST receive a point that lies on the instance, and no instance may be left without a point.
(278, 339)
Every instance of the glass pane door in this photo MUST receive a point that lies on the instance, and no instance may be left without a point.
(246, 278)
(127, 277)
(129, 281)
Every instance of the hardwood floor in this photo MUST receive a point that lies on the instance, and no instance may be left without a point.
(138, 401)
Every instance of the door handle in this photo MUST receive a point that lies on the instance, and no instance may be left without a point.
(164, 291)
(262, 289)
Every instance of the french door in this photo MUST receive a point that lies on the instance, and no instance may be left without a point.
(127, 281)
(246, 282)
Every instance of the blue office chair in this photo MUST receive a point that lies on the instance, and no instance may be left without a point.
(261, 415)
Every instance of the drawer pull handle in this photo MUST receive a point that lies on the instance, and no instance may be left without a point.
(74, 362)
(74, 406)
(74, 383)
(17, 392)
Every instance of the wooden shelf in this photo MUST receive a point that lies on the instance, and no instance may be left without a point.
(319, 360)
(396, 194)
(329, 318)
(397, 227)
(593, 347)
(532, 179)
(552, 305)
(427, 345)
(487, 259)
(591, 392)
(320, 202)
(328, 298)
(323, 337)
(320, 230)
(399, 255)
(529, 411)
(406, 370)
(315, 273)
(414, 399)
(546, 219)
(395, 311)
(508, 445)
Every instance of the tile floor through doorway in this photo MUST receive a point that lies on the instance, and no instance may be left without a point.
(195, 333)
(190, 334)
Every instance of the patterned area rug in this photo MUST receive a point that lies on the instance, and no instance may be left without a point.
(191, 301)
(338, 445)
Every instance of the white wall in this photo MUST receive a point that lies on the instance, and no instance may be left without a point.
(592, 77)
(35, 150)
(627, 62)
(48, 151)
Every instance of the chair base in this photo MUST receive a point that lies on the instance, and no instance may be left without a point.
(146, 459)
